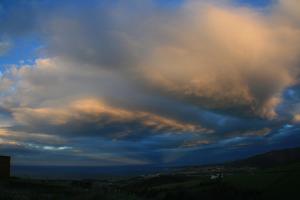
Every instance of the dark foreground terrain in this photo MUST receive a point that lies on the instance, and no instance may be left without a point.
(229, 181)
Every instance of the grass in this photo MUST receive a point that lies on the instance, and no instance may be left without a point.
(273, 183)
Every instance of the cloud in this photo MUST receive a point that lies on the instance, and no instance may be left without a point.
(195, 143)
(230, 59)
(288, 11)
(260, 132)
(93, 117)
(19, 137)
(5, 46)
(59, 98)
(296, 118)
(216, 56)
(195, 76)
(233, 60)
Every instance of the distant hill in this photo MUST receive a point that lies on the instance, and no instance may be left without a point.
(270, 159)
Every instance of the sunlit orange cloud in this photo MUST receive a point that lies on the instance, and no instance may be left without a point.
(296, 118)
(8, 142)
(3, 138)
(93, 110)
(212, 55)
(3, 132)
(19, 136)
(195, 143)
(224, 57)
(260, 132)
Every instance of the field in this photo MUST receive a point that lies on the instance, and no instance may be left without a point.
(190, 183)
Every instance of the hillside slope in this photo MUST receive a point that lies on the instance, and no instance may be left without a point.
(270, 159)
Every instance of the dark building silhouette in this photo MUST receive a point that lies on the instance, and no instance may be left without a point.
(4, 167)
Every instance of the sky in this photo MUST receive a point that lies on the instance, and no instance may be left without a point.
(152, 82)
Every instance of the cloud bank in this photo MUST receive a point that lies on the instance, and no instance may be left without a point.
(214, 55)
(194, 76)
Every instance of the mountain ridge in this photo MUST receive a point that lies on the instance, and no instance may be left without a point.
(270, 159)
